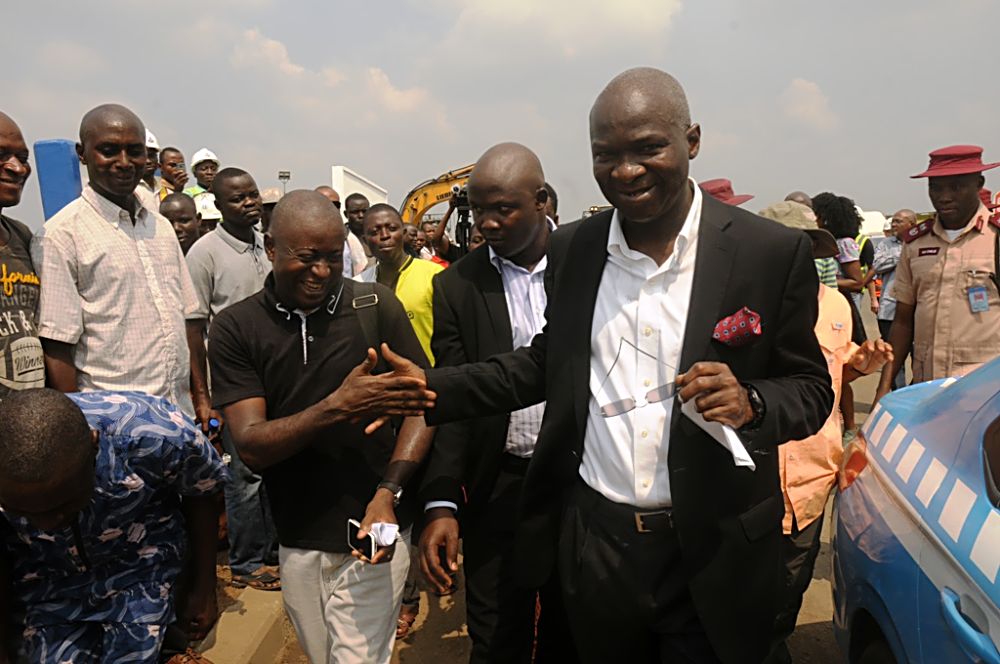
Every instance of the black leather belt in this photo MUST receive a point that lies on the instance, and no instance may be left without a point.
(624, 517)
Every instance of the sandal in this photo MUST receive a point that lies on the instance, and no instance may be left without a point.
(189, 656)
(259, 580)
(404, 623)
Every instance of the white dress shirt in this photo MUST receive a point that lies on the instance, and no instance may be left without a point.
(119, 293)
(524, 291)
(638, 329)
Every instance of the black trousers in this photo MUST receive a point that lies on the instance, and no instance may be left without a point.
(625, 594)
(798, 551)
(499, 613)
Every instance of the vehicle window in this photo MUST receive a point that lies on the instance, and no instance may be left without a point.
(991, 461)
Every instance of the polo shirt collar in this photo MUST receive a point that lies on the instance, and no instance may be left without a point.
(109, 211)
(238, 245)
(272, 302)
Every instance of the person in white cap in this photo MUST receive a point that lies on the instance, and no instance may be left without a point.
(150, 183)
(204, 166)
(208, 213)
(269, 197)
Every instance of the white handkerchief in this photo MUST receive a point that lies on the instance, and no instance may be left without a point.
(385, 533)
(723, 433)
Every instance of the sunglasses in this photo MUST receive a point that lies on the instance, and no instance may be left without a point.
(336, 204)
(622, 406)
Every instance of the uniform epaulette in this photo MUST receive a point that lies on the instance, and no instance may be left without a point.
(921, 229)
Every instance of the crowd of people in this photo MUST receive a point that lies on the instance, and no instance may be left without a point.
(369, 397)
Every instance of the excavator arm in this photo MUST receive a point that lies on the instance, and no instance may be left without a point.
(428, 194)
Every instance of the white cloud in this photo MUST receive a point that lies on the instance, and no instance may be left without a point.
(567, 25)
(393, 98)
(257, 51)
(805, 103)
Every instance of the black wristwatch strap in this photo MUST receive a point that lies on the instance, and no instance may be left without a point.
(757, 406)
(395, 489)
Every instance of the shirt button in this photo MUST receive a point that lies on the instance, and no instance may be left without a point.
(310, 338)
(647, 382)
(644, 433)
(647, 331)
(645, 484)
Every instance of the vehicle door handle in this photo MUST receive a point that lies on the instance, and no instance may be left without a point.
(976, 645)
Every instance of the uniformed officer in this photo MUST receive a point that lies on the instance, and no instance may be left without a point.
(948, 303)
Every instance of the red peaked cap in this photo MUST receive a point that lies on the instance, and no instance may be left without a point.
(956, 160)
(722, 189)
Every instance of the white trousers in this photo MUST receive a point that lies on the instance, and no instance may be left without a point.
(344, 611)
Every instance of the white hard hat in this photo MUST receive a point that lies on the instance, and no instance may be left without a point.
(205, 202)
(151, 141)
(203, 154)
(270, 195)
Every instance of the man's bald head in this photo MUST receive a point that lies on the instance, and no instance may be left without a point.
(305, 244)
(509, 165)
(109, 115)
(177, 201)
(330, 193)
(640, 88)
(641, 143)
(507, 194)
(300, 209)
(905, 215)
(800, 197)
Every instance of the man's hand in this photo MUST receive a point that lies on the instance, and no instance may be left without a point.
(874, 305)
(180, 180)
(363, 395)
(198, 610)
(717, 395)
(203, 413)
(871, 356)
(401, 367)
(379, 511)
(441, 531)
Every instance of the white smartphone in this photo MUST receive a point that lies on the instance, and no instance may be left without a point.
(366, 546)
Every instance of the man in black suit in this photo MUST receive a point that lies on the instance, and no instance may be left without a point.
(666, 549)
(490, 302)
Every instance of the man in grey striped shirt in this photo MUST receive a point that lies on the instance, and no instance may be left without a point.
(491, 301)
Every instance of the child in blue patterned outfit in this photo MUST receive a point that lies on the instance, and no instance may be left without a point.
(103, 495)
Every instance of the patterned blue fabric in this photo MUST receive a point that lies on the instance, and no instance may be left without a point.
(121, 562)
(93, 643)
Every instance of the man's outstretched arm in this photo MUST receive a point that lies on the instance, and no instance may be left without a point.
(263, 443)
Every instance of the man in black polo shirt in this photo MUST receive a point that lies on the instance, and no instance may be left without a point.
(291, 369)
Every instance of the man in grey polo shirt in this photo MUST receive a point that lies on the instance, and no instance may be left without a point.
(228, 266)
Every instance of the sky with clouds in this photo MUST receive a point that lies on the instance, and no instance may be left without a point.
(847, 96)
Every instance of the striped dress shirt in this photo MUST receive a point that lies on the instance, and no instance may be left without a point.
(524, 291)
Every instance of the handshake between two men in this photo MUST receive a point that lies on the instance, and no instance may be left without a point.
(402, 392)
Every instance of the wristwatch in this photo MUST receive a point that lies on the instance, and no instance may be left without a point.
(395, 489)
(757, 406)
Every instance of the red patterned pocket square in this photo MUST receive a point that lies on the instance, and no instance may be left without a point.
(739, 329)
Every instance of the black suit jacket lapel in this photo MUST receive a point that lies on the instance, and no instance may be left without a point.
(495, 300)
(713, 263)
(587, 255)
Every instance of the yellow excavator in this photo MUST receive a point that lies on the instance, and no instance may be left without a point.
(431, 192)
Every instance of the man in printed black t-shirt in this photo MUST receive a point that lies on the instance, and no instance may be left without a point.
(291, 370)
(22, 363)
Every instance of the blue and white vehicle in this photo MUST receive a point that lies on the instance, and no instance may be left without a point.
(916, 547)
